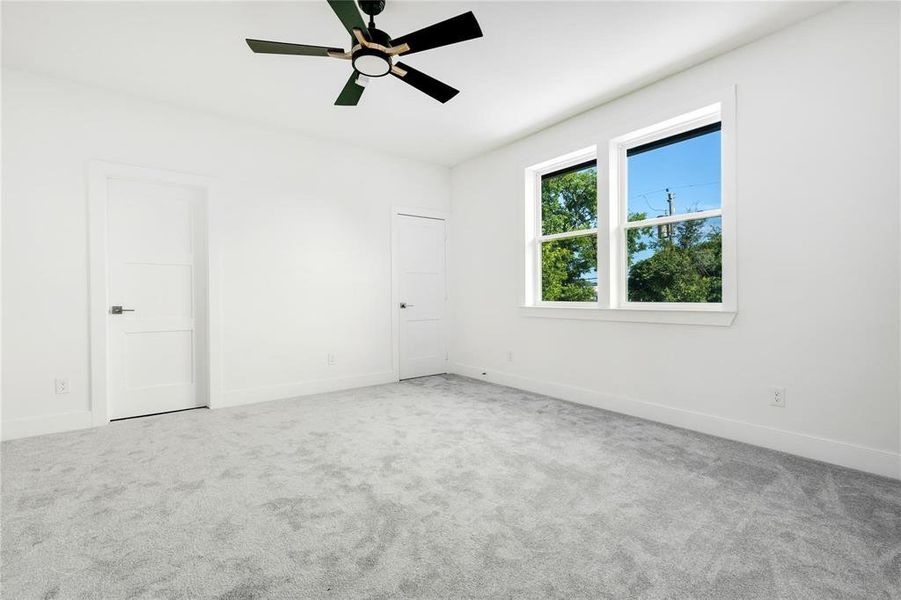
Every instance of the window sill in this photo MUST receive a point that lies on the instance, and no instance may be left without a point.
(673, 316)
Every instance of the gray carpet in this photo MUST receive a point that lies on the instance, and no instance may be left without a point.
(441, 487)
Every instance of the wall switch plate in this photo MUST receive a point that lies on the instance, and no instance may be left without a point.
(509, 356)
(777, 397)
(61, 385)
(331, 359)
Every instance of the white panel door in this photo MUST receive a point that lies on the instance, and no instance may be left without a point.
(422, 289)
(155, 244)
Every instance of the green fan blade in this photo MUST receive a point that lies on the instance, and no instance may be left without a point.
(266, 47)
(347, 13)
(351, 93)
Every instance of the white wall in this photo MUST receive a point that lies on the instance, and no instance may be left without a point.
(818, 256)
(304, 226)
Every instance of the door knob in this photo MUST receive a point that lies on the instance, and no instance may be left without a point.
(405, 305)
(118, 310)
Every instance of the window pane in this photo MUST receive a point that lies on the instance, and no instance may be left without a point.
(569, 199)
(680, 262)
(675, 175)
(569, 269)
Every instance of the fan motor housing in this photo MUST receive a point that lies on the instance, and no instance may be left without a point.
(378, 36)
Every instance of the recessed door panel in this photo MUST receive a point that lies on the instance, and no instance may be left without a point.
(158, 358)
(150, 219)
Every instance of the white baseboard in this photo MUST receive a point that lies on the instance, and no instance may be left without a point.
(31, 426)
(301, 388)
(871, 460)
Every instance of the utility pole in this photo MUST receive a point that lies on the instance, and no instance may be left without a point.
(666, 231)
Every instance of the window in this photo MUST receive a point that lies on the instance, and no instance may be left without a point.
(672, 219)
(569, 231)
(655, 243)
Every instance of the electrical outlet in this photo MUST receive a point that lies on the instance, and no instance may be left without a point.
(61, 385)
(777, 397)
(331, 359)
(509, 356)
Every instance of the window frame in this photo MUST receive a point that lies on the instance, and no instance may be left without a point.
(535, 224)
(612, 303)
(619, 195)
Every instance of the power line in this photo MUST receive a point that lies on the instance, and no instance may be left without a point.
(648, 202)
(676, 187)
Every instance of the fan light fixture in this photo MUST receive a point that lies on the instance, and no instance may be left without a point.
(371, 63)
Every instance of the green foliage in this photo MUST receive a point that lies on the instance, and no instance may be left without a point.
(686, 265)
(569, 203)
(682, 262)
(564, 264)
(637, 240)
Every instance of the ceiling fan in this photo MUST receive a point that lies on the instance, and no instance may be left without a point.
(374, 53)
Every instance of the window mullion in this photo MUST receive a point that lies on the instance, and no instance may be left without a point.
(606, 229)
(618, 214)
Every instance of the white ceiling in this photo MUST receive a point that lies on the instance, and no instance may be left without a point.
(538, 62)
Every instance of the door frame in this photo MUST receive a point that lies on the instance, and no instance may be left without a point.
(99, 173)
(424, 213)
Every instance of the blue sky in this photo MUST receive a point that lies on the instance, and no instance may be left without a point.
(691, 169)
